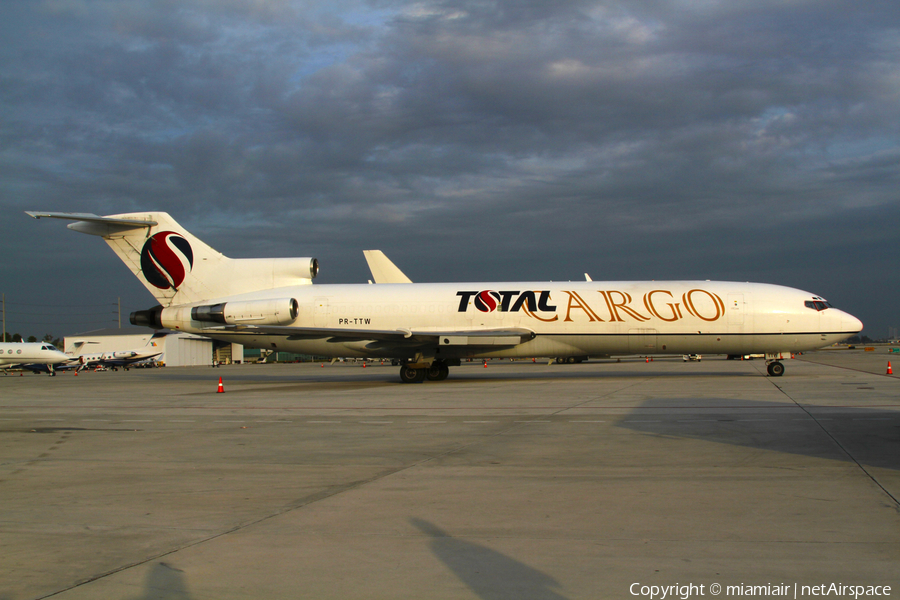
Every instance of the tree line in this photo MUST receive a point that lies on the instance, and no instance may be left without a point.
(15, 337)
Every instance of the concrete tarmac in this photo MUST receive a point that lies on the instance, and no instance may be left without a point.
(519, 480)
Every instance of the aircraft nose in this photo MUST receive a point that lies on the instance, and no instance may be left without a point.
(850, 323)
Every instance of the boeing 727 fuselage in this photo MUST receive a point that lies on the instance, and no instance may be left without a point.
(271, 303)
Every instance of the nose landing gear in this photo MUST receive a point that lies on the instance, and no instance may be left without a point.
(775, 368)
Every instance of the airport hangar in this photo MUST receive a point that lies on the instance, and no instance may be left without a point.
(179, 349)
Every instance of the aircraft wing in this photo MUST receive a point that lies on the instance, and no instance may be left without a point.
(124, 362)
(396, 338)
(40, 367)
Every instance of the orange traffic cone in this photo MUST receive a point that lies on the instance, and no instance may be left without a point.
(364, 364)
(648, 359)
(890, 371)
(485, 364)
(221, 389)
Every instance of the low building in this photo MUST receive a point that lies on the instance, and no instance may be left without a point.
(179, 349)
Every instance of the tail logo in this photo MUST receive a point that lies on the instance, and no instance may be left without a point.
(166, 259)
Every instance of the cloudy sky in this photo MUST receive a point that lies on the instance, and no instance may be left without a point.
(748, 140)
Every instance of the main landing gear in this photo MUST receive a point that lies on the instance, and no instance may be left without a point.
(570, 360)
(436, 371)
(411, 375)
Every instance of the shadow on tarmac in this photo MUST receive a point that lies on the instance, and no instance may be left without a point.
(488, 573)
(867, 436)
(165, 582)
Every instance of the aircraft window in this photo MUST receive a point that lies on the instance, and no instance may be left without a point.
(817, 304)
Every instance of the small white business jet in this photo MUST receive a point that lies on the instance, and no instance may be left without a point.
(118, 358)
(271, 303)
(39, 356)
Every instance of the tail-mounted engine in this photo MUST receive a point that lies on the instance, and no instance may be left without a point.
(281, 311)
(152, 317)
(251, 312)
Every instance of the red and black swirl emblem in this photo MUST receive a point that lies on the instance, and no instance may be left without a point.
(166, 259)
(487, 301)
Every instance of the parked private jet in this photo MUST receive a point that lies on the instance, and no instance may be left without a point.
(118, 358)
(39, 356)
(271, 303)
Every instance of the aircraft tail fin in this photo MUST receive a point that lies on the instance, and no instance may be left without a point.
(383, 270)
(177, 267)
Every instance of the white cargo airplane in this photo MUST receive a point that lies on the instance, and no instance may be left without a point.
(39, 356)
(271, 303)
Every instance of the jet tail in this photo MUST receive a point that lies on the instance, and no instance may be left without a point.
(177, 267)
(383, 270)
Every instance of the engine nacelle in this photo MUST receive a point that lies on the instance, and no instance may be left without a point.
(152, 317)
(281, 311)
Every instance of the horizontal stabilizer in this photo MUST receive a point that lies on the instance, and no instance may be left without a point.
(94, 224)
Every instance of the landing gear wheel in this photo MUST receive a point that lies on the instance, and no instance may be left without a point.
(410, 375)
(438, 371)
(775, 369)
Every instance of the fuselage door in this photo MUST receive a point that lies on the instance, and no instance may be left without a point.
(320, 312)
(734, 308)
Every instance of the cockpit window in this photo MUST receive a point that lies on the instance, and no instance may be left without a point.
(817, 304)
(49, 347)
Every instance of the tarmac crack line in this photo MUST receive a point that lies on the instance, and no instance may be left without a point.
(314, 498)
(304, 502)
(838, 444)
(640, 381)
(296, 505)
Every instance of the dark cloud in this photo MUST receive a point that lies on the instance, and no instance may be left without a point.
(469, 140)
